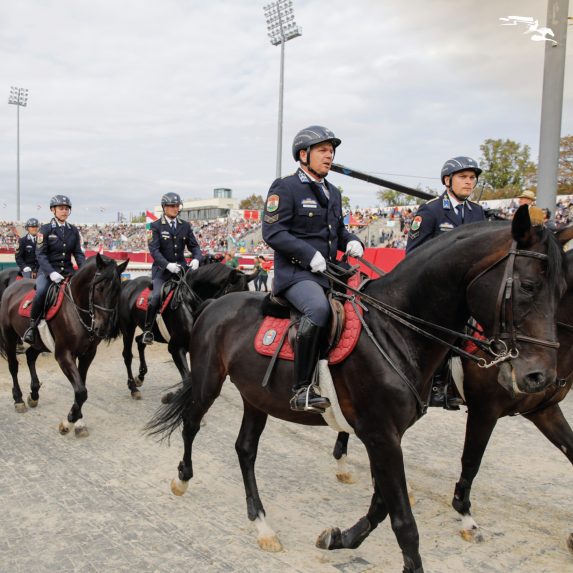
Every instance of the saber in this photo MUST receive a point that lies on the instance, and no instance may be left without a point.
(343, 170)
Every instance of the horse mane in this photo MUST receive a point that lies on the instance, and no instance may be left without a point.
(213, 273)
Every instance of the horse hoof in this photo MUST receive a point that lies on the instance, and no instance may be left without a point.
(136, 395)
(166, 398)
(472, 535)
(31, 402)
(20, 407)
(138, 381)
(270, 544)
(570, 542)
(64, 428)
(178, 487)
(326, 540)
(345, 477)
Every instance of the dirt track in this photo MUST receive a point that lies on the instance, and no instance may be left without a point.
(103, 504)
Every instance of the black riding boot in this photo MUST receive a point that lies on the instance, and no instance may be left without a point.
(31, 335)
(307, 347)
(441, 395)
(152, 310)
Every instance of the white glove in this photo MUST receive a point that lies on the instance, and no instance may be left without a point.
(26, 270)
(194, 265)
(173, 267)
(56, 277)
(318, 263)
(354, 249)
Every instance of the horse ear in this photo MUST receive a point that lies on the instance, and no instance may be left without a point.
(234, 276)
(100, 263)
(523, 221)
(564, 235)
(122, 267)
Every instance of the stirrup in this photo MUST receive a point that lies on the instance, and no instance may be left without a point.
(302, 400)
(29, 337)
(147, 337)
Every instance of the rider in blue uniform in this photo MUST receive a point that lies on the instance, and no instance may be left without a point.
(169, 236)
(451, 209)
(57, 241)
(26, 252)
(304, 225)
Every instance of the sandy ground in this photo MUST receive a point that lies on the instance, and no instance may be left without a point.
(103, 503)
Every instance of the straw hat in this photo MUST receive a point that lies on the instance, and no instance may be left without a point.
(528, 194)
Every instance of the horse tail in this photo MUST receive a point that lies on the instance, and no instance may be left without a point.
(170, 416)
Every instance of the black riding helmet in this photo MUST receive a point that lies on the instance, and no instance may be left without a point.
(171, 199)
(310, 136)
(60, 201)
(32, 223)
(457, 164)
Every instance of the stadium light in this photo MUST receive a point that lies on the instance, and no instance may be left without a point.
(19, 98)
(281, 28)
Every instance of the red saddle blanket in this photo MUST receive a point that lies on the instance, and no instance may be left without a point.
(25, 307)
(142, 301)
(272, 330)
(469, 345)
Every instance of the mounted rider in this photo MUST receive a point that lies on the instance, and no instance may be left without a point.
(444, 213)
(303, 223)
(57, 241)
(169, 236)
(26, 252)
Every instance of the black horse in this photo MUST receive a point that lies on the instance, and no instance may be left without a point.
(87, 316)
(208, 281)
(487, 401)
(459, 274)
(7, 277)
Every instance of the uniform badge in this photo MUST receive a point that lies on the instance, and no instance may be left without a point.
(446, 227)
(149, 235)
(309, 203)
(270, 219)
(446, 202)
(272, 203)
(39, 239)
(413, 234)
(416, 223)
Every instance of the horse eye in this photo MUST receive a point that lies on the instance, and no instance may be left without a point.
(528, 287)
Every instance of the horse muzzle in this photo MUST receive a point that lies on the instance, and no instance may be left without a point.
(528, 383)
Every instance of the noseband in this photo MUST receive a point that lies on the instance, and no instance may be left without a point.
(504, 329)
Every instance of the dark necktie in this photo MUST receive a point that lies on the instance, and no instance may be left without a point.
(460, 211)
(62, 231)
(173, 226)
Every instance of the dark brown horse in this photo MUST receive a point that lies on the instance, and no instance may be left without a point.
(7, 277)
(459, 274)
(208, 281)
(87, 316)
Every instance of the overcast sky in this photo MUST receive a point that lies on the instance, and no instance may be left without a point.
(130, 99)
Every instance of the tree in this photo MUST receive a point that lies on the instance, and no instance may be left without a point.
(507, 168)
(345, 199)
(565, 175)
(390, 198)
(252, 203)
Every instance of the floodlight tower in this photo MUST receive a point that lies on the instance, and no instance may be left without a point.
(281, 27)
(19, 98)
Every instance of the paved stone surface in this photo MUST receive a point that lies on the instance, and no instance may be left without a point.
(103, 504)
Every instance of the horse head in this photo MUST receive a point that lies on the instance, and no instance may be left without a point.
(514, 294)
(95, 290)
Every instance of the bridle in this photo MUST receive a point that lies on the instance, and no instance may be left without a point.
(92, 306)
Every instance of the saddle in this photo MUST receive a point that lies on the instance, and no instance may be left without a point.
(167, 291)
(278, 329)
(52, 304)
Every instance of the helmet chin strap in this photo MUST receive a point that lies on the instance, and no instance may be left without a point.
(307, 164)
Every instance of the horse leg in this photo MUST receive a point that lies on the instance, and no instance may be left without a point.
(31, 357)
(128, 360)
(68, 365)
(142, 363)
(479, 427)
(340, 453)
(247, 444)
(10, 348)
(179, 355)
(390, 497)
(553, 425)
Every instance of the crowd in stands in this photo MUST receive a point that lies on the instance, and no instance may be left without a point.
(222, 235)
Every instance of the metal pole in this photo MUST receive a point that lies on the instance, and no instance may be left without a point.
(552, 105)
(18, 162)
(280, 126)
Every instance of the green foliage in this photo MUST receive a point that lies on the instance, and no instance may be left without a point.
(139, 218)
(507, 167)
(253, 202)
(565, 175)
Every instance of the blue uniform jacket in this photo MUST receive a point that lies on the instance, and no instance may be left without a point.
(438, 216)
(298, 221)
(54, 250)
(26, 253)
(167, 247)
